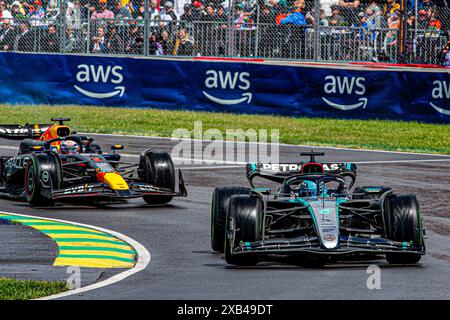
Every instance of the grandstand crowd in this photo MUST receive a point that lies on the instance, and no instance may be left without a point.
(193, 27)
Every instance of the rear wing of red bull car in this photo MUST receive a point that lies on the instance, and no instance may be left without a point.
(19, 132)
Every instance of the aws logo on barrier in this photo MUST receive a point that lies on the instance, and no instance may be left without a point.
(227, 81)
(99, 76)
(345, 86)
(441, 91)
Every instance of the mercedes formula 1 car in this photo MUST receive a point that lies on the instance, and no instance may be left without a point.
(55, 164)
(313, 216)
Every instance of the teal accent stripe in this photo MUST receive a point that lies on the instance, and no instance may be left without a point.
(89, 240)
(88, 256)
(97, 249)
(349, 166)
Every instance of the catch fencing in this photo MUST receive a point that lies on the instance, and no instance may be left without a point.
(369, 32)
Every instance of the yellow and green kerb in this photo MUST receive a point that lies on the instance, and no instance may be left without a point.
(80, 246)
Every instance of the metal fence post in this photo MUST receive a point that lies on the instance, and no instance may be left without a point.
(230, 51)
(257, 24)
(146, 37)
(316, 30)
(88, 38)
(62, 26)
(415, 29)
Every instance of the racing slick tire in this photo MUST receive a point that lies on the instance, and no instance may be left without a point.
(371, 193)
(219, 206)
(243, 224)
(403, 222)
(43, 174)
(156, 168)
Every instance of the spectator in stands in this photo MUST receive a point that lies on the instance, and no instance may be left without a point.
(102, 12)
(327, 4)
(99, 41)
(168, 15)
(154, 12)
(7, 36)
(422, 20)
(71, 40)
(36, 14)
(24, 41)
(179, 6)
(167, 43)
(154, 46)
(135, 44)
(434, 23)
(209, 13)
(5, 14)
(187, 15)
(336, 19)
(52, 11)
(184, 46)
(445, 53)
(123, 11)
(114, 43)
(50, 43)
(17, 10)
(391, 7)
(74, 16)
(296, 17)
(374, 14)
(425, 4)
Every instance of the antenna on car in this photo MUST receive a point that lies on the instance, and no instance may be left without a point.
(60, 120)
(312, 155)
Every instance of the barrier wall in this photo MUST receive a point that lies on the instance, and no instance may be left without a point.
(293, 90)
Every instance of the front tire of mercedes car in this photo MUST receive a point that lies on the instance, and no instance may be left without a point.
(157, 169)
(219, 206)
(42, 175)
(243, 224)
(403, 223)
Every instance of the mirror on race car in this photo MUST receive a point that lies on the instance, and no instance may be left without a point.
(117, 147)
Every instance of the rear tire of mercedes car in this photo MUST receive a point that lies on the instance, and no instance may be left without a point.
(243, 224)
(219, 206)
(156, 168)
(403, 223)
(42, 169)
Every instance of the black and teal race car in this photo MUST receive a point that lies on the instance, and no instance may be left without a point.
(312, 215)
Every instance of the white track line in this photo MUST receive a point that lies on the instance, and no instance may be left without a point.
(144, 258)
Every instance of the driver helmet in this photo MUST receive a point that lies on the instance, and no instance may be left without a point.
(69, 147)
(308, 189)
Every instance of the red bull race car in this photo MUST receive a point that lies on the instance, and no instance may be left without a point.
(56, 164)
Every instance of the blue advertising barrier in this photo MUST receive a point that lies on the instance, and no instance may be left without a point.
(292, 90)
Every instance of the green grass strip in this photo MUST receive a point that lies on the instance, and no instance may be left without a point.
(13, 289)
(88, 256)
(88, 240)
(367, 134)
(96, 249)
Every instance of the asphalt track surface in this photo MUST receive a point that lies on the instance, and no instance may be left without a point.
(178, 235)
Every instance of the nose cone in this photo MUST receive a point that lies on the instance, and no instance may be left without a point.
(115, 181)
